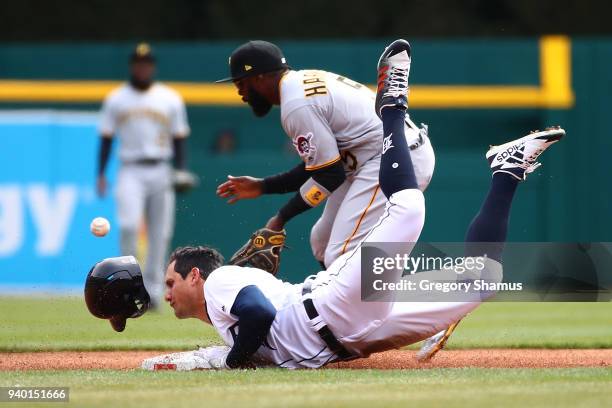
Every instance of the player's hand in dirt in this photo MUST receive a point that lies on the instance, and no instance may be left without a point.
(101, 186)
(239, 188)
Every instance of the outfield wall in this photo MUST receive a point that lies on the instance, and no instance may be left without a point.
(472, 93)
(47, 200)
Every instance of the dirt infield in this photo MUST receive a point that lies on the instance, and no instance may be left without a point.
(396, 359)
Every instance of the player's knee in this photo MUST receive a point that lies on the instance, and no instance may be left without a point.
(493, 271)
(332, 252)
(410, 203)
(408, 207)
(318, 243)
(128, 232)
(424, 161)
(128, 240)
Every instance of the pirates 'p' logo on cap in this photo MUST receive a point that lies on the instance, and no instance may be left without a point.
(248, 67)
(143, 49)
(142, 52)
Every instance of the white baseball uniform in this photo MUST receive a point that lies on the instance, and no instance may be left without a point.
(362, 327)
(145, 123)
(330, 118)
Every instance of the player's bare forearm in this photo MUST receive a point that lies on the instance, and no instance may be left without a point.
(276, 223)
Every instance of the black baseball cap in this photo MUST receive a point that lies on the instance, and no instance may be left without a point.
(142, 52)
(254, 58)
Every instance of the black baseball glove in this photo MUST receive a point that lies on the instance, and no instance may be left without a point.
(261, 251)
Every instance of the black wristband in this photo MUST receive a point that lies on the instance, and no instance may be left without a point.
(295, 206)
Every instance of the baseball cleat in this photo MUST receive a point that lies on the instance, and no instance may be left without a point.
(435, 343)
(518, 157)
(393, 70)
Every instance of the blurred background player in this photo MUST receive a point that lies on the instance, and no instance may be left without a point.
(150, 121)
(332, 124)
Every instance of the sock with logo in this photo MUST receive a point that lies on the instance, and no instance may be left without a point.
(490, 226)
(396, 170)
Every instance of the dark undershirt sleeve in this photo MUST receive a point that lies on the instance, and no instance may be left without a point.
(295, 206)
(255, 316)
(105, 149)
(330, 177)
(178, 144)
(286, 182)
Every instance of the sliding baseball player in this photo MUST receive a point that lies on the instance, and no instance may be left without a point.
(264, 320)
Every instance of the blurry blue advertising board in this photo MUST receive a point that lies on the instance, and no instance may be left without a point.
(48, 163)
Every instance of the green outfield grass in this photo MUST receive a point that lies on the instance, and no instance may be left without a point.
(62, 323)
(585, 387)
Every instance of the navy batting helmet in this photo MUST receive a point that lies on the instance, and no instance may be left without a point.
(114, 290)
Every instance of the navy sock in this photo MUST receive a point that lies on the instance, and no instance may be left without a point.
(396, 170)
(490, 226)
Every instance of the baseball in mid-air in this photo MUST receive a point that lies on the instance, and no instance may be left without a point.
(99, 226)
